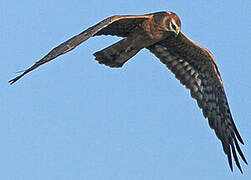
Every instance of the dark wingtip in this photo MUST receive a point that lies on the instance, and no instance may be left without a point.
(235, 157)
(12, 81)
(229, 157)
(239, 151)
(230, 164)
(237, 132)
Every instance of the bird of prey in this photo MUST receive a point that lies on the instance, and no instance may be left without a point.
(193, 65)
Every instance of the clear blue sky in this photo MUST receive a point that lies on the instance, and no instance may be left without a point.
(76, 119)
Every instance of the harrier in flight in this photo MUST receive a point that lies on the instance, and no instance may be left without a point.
(193, 65)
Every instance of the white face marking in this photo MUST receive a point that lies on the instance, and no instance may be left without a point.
(173, 22)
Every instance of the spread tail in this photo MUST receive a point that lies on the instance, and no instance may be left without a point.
(117, 54)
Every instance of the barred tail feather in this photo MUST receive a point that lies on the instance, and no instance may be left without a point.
(117, 54)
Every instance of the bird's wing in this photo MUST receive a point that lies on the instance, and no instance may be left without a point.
(114, 25)
(196, 68)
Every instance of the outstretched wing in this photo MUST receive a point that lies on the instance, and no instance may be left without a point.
(195, 67)
(114, 25)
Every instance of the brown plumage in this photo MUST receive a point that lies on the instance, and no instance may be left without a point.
(192, 64)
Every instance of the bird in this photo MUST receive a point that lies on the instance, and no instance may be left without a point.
(193, 65)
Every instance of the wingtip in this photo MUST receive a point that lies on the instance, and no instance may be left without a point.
(12, 81)
(229, 157)
(239, 151)
(239, 167)
(241, 170)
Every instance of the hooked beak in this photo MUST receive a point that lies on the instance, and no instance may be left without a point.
(177, 32)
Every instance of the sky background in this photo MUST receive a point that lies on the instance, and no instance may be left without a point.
(76, 119)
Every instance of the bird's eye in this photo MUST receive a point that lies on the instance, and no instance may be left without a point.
(174, 27)
(167, 22)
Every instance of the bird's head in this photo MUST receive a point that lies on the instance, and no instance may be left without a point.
(173, 23)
